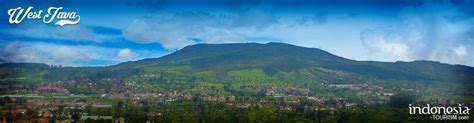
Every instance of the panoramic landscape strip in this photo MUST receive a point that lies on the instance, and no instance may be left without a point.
(236, 61)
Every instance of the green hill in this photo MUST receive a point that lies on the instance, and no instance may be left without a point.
(245, 62)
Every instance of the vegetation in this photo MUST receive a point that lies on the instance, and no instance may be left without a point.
(249, 82)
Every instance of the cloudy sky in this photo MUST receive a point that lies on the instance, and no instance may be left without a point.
(115, 31)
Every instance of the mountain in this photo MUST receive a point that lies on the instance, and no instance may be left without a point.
(252, 62)
(274, 58)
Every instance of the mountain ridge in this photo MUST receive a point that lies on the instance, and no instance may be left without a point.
(253, 43)
(294, 57)
(278, 61)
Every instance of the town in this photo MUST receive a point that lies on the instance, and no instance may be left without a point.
(114, 100)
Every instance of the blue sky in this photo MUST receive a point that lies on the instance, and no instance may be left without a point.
(112, 32)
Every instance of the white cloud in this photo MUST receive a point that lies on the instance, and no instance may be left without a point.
(57, 54)
(146, 31)
(452, 54)
(378, 41)
(126, 54)
(426, 32)
(66, 55)
(460, 51)
(40, 52)
(70, 55)
(224, 37)
(174, 30)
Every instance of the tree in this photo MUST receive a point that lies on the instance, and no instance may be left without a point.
(401, 100)
(8, 101)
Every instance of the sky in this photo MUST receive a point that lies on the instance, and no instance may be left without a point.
(115, 31)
